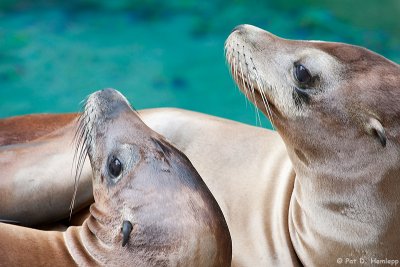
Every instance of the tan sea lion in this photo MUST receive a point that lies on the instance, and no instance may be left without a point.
(337, 109)
(151, 207)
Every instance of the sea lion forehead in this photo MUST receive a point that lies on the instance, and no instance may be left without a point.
(359, 59)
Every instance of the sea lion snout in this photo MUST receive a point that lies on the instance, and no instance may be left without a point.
(107, 104)
(250, 31)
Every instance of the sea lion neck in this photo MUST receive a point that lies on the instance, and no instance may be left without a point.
(347, 218)
(345, 200)
(105, 223)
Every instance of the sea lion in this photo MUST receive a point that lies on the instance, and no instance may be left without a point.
(246, 168)
(151, 206)
(336, 107)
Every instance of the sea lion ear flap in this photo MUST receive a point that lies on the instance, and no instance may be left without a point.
(375, 128)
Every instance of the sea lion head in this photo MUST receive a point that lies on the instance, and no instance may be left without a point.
(149, 199)
(327, 100)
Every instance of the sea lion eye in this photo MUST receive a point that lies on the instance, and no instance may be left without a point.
(115, 167)
(302, 74)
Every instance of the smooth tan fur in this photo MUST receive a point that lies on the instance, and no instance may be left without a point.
(248, 171)
(36, 155)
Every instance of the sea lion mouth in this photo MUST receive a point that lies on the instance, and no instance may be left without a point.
(246, 76)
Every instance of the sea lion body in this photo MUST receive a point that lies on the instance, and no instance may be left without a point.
(151, 206)
(35, 156)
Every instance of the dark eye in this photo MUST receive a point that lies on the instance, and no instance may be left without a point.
(115, 167)
(302, 74)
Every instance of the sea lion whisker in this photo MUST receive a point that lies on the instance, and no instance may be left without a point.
(78, 137)
(83, 146)
(240, 79)
(254, 98)
(246, 92)
(230, 57)
(78, 131)
(264, 103)
(80, 143)
(261, 88)
(235, 76)
(81, 150)
(232, 63)
(267, 108)
(78, 173)
(249, 86)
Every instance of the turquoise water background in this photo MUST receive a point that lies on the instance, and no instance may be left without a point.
(161, 53)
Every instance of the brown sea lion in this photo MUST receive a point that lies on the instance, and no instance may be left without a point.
(151, 206)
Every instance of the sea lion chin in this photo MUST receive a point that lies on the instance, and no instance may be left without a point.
(336, 106)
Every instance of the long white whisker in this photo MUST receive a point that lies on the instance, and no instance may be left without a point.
(257, 112)
(242, 77)
(267, 108)
(238, 81)
(262, 88)
(232, 60)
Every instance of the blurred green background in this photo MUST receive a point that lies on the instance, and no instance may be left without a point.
(161, 53)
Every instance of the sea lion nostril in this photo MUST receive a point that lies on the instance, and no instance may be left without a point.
(126, 231)
(238, 28)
